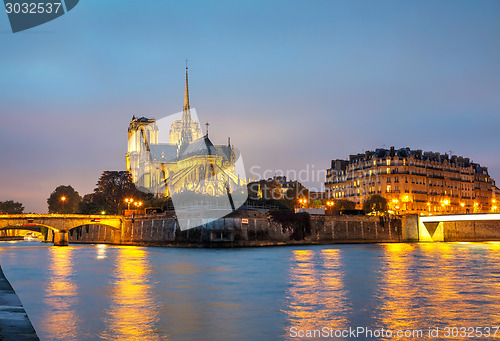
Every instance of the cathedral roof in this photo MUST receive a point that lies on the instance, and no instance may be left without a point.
(163, 152)
(201, 146)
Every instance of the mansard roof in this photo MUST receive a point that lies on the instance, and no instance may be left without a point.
(416, 154)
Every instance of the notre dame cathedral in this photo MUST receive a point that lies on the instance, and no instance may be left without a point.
(188, 162)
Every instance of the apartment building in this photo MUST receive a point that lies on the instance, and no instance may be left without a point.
(413, 181)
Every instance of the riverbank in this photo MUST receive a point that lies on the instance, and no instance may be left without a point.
(15, 324)
(243, 229)
(273, 228)
(10, 238)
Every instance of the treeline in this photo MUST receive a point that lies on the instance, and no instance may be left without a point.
(112, 188)
(11, 207)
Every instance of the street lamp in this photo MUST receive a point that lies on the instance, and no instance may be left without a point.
(138, 204)
(329, 205)
(63, 199)
(129, 201)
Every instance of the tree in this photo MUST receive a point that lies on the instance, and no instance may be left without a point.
(64, 199)
(343, 205)
(375, 204)
(112, 189)
(164, 203)
(317, 203)
(91, 204)
(11, 207)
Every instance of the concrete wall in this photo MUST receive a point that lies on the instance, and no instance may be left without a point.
(413, 229)
(355, 229)
(472, 231)
(410, 228)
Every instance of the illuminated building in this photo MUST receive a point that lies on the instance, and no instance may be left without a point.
(189, 161)
(413, 181)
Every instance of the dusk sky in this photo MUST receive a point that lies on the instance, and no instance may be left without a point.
(295, 84)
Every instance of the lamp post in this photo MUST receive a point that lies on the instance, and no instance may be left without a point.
(129, 201)
(138, 204)
(329, 205)
(395, 204)
(63, 199)
(303, 202)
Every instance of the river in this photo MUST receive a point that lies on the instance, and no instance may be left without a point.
(102, 292)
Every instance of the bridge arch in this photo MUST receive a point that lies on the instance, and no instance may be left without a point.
(29, 227)
(94, 224)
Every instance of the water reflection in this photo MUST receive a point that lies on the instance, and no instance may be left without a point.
(130, 293)
(432, 285)
(61, 321)
(101, 251)
(133, 312)
(317, 297)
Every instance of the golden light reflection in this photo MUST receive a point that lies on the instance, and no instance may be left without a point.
(317, 296)
(61, 296)
(101, 251)
(133, 312)
(433, 284)
(397, 287)
(495, 246)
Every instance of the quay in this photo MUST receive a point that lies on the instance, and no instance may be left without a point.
(15, 324)
(255, 228)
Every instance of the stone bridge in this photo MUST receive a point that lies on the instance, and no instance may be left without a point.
(58, 224)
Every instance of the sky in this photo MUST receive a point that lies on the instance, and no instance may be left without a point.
(295, 84)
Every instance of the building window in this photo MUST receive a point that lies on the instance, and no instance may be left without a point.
(388, 162)
(388, 188)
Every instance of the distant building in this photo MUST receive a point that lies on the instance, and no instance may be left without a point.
(277, 187)
(189, 161)
(413, 181)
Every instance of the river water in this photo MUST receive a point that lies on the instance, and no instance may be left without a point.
(99, 292)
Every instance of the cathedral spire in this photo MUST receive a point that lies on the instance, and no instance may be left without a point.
(186, 92)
